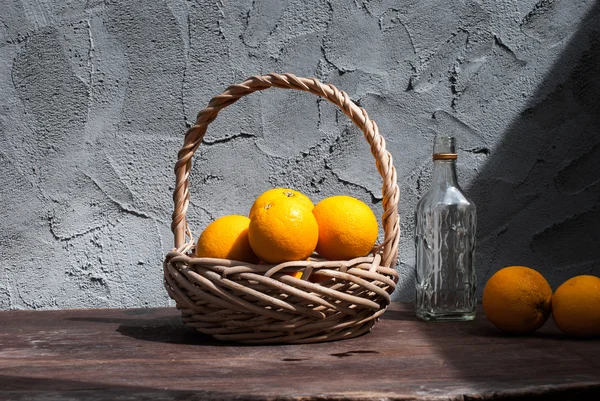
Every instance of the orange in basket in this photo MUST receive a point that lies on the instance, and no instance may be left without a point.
(227, 237)
(283, 229)
(347, 228)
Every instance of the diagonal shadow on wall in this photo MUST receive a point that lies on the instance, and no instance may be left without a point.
(538, 196)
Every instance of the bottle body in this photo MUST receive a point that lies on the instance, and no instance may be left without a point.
(445, 226)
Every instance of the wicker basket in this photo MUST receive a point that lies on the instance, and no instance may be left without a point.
(237, 301)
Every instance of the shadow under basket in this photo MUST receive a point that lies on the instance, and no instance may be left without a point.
(249, 303)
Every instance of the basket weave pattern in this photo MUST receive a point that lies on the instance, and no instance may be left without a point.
(237, 301)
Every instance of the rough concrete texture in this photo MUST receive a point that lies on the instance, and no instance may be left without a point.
(96, 97)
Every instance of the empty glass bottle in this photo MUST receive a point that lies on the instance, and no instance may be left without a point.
(445, 223)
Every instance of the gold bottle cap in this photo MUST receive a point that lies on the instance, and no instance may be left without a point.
(444, 156)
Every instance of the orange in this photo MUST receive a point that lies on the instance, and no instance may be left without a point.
(517, 299)
(226, 238)
(576, 306)
(283, 230)
(280, 193)
(347, 228)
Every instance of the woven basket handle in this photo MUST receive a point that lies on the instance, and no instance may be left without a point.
(384, 162)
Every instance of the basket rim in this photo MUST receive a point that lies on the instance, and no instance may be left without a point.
(187, 255)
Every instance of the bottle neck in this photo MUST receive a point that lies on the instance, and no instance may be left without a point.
(444, 173)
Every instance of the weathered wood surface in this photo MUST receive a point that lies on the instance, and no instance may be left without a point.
(147, 353)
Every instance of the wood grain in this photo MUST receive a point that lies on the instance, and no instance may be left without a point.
(147, 353)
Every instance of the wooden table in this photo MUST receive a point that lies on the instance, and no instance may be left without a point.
(146, 353)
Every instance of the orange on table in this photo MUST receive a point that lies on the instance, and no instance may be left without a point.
(576, 306)
(282, 230)
(517, 299)
(280, 193)
(347, 228)
(227, 238)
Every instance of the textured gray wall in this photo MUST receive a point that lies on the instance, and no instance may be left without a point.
(96, 95)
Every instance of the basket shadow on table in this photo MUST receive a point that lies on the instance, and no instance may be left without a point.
(171, 330)
(160, 329)
(538, 200)
(167, 330)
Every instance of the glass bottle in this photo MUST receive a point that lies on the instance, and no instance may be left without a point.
(445, 223)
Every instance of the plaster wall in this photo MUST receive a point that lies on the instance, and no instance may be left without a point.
(95, 97)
